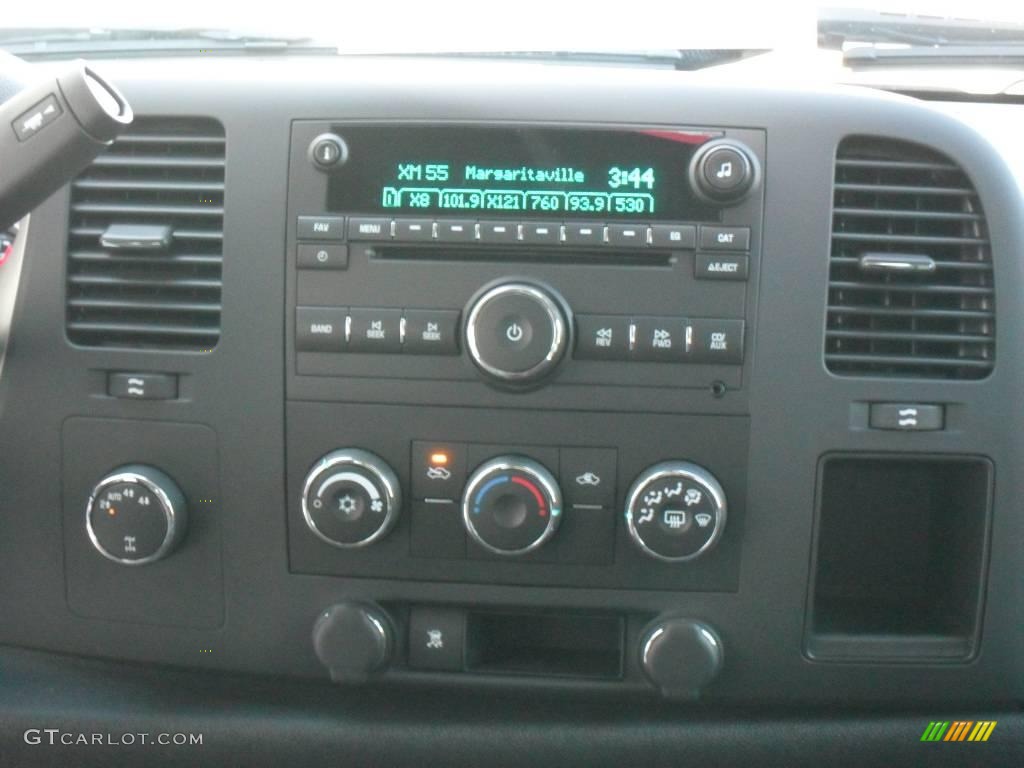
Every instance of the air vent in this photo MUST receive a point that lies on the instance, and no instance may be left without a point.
(163, 181)
(910, 280)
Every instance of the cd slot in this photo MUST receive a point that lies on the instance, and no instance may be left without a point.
(533, 255)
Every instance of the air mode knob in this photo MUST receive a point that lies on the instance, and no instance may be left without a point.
(511, 505)
(351, 498)
(675, 511)
(516, 333)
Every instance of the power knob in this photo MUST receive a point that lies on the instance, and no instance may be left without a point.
(516, 333)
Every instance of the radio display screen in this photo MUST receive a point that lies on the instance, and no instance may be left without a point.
(518, 172)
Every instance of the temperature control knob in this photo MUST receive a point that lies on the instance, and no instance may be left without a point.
(135, 515)
(351, 498)
(675, 511)
(516, 333)
(511, 505)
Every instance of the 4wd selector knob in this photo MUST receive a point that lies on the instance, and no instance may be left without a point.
(351, 498)
(516, 332)
(675, 511)
(511, 505)
(135, 515)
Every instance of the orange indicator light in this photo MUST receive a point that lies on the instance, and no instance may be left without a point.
(111, 511)
(439, 459)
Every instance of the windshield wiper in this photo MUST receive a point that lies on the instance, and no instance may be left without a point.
(877, 38)
(42, 43)
(684, 59)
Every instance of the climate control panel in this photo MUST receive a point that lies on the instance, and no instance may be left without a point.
(645, 508)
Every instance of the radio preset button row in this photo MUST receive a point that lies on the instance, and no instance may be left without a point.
(375, 330)
(659, 339)
(638, 235)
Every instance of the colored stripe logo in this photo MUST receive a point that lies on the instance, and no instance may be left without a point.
(959, 730)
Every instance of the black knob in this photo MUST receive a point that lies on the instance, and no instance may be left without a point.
(675, 511)
(135, 515)
(353, 640)
(516, 333)
(680, 656)
(328, 151)
(723, 171)
(351, 498)
(511, 505)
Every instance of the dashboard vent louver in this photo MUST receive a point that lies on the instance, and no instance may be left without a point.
(165, 175)
(910, 280)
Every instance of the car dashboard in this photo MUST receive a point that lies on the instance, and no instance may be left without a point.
(354, 391)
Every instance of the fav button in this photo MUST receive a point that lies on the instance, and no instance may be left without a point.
(321, 227)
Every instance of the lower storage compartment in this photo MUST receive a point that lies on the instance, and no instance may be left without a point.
(900, 557)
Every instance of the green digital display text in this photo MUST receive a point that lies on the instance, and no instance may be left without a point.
(561, 189)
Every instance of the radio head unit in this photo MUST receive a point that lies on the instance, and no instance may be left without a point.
(426, 260)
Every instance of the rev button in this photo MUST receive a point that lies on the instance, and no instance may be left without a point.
(602, 337)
